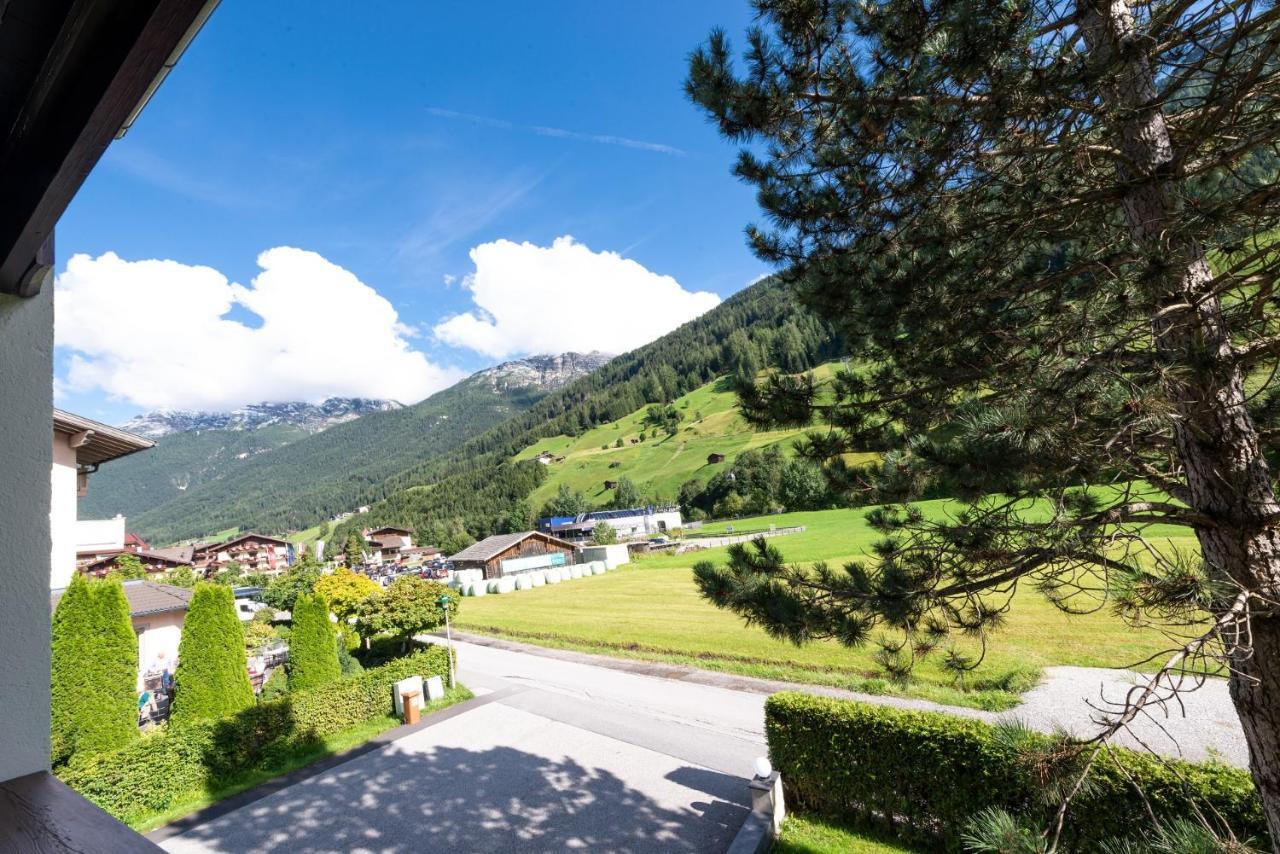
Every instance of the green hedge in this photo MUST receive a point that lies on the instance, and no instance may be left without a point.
(932, 772)
(174, 764)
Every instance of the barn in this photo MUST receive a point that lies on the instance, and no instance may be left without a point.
(505, 554)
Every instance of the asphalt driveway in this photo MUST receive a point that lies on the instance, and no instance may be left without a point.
(494, 778)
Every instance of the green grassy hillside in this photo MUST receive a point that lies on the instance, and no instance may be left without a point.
(660, 464)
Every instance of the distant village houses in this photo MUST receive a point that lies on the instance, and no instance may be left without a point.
(253, 552)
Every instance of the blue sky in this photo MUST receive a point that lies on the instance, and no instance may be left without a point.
(389, 145)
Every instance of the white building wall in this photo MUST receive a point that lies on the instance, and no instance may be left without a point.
(158, 637)
(62, 511)
(98, 534)
(26, 421)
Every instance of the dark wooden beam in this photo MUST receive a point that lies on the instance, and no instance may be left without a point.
(41, 814)
(97, 65)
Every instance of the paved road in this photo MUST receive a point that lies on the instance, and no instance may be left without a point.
(1204, 726)
(571, 751)
(555, 756)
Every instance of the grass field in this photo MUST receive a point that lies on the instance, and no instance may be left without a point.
(661, 463)
(651, 610)
(803, 834)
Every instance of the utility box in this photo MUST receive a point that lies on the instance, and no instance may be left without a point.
(405, 686)
(435, 688)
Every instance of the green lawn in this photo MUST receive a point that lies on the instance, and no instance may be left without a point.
(660, 464)
(802, 834)
(651, 610)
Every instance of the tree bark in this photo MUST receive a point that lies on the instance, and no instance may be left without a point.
(1227, 476)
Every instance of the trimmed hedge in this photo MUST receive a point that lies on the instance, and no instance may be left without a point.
(933, 772)
(180, 762)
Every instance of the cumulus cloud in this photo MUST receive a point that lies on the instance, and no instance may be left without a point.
(552, 299)
(157, 334)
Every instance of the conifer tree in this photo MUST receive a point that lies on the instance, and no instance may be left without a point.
(94, 669)
(313, 651)
(111, 670)
(212, 679)
(1047, 229)
(72, 633)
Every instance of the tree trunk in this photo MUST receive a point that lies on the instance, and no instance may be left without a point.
(1228, 479)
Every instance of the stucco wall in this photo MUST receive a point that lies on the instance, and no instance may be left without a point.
(26, 425)
(62, 511)
(158, 637)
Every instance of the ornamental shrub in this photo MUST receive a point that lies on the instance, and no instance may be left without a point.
(313, 650)
(94, 669)
(110, 672)
(928, 774)
(212, 679)
(176, 764)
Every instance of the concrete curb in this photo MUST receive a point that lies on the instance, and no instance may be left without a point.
(754, 837)
(320, 766)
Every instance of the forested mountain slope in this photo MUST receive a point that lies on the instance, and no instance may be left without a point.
(481, 488)
(304, 482)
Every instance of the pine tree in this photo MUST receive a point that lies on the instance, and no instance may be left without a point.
(1049, 228)
(354, 549)
(313, 652)
(212, 679)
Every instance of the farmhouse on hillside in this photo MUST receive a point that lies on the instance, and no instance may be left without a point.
(505, 554)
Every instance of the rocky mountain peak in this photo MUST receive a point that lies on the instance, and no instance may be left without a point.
(545, 370)
(312, 417)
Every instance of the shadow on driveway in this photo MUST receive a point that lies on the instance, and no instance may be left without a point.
(494, 799)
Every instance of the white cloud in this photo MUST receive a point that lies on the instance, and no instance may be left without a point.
(156, 333)
(551, 299)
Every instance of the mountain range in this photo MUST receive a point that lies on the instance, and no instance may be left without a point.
(457, 460)
(310, 417)
(322, 458)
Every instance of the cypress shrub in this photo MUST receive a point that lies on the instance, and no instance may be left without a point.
(72, 626)
(173, 765)
(110, 673)
(927, 774)
(94, 669)
(313, 644)
(212, 679)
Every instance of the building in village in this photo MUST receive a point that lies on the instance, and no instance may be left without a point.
(157, 612)
(80, 446)
(386, 544)
(253, 552)
(505, 554)
(632, 522)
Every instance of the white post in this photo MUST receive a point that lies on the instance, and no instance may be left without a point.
(448, 638)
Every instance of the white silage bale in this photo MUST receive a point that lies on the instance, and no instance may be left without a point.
(565, 573)
(575, 571)
(522, 581)
(537, 579)
(597, 568)
(481, 588)
(553, 576)
(505, 585)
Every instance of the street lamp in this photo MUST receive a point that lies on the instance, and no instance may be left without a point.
(448, 637)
